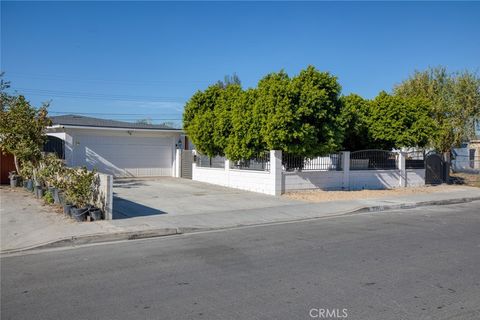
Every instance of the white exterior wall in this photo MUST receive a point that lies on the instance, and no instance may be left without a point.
(103, 195)
(257, 181)
(121, 153)
(415, 177)
(210, 175)
(374, 179)
(325, 180)
(267, 182)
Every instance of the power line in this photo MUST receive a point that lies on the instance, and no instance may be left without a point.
(68, 78)
(88, 95)
(110, 114)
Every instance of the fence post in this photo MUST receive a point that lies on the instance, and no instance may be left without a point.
(276, 171)
(178, 163)
(227, 171)
(402, 168)
(346, 170)
(109, 197)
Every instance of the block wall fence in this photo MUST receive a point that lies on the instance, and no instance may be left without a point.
(277, 181)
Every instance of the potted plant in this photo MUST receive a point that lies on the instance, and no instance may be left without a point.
(48, 197)
(38, 183)
(14, 178)
(80, 191)
(95, 213)
(26, 171)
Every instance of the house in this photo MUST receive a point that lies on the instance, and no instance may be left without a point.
(122, 149)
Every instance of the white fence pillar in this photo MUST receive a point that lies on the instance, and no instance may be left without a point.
(276, 171)
(178, 163)
(346, 170)
(402, 168)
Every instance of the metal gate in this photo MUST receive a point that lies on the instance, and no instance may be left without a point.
(187, 162)
(434, 169)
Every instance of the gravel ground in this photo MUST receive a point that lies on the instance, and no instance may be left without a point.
(321, 195)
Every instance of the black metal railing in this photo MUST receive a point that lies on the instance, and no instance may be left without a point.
(332, 162)
(210, 162)
(415, 160)
(260, 162)
(373, 160)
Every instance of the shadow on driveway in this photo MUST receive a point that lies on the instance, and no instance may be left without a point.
(124, 209)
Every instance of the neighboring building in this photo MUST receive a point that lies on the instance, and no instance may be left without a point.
(122, 149)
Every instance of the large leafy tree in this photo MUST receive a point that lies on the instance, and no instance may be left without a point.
(199, 120)
(244, 141)
(22, 128)
(299, 115)
(354, 120)
(396, 122)
(454, 100)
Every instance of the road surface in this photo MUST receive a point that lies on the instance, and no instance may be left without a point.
(410, 264)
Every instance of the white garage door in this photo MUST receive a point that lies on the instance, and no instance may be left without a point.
(125, 156)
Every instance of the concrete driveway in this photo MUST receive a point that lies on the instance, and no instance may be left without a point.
(173, 196)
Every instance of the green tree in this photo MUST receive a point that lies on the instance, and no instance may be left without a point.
(229, 80)
(454, 99)
(300, 115)
(396, 122)
(222, 126)
(199, 120)
(22, 128)
(354, 118)
(244, 140)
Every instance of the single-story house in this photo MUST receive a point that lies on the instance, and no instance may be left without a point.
(122, 149)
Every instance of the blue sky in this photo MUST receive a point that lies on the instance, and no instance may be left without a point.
(149, 58)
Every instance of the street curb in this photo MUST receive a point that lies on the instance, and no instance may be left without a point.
(98, 238)
(415, 205)
(162, 232)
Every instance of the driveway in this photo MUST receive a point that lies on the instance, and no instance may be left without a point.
(173, 196)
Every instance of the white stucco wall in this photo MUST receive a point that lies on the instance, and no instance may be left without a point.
(325, 180)
(415, 177)
(374, 179)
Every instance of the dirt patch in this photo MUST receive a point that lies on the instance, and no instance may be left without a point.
(321, 195)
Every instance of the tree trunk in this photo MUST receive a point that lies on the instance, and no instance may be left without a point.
(17, 167)
(447, 161)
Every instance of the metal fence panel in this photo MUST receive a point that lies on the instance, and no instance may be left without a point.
(415, 160)
(261, 162)
(330, 162)
(209, 162)
(373, 160)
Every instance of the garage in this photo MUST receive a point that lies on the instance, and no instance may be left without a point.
(119, 148)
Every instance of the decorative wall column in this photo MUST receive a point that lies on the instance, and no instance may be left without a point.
(276, 171)
(402, 181)
(346, 170)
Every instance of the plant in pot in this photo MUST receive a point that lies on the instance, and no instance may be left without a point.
(80, 192)
(65, 184)
(38, 182)
(52, 169)
(14, 178)
(48, 197)
(26, 171)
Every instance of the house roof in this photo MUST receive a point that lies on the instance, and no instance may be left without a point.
(82, 121)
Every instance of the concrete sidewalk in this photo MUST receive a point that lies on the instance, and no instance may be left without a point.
(25, 224)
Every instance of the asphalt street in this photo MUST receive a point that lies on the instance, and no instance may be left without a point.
(408, 264)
